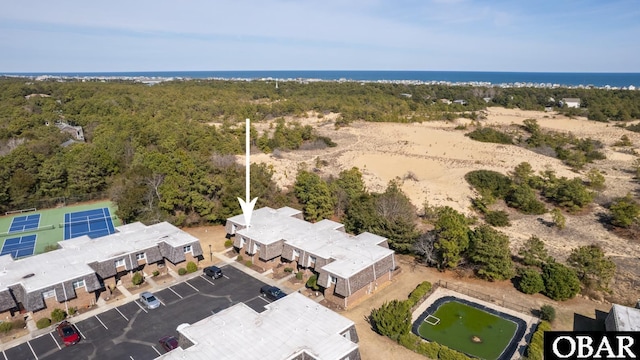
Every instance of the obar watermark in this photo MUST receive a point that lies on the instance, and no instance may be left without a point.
(591, 345)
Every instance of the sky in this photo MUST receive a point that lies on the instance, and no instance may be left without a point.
(438, 35)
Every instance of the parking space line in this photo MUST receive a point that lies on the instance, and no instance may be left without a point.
(141, 307)
(194, 288)
(55, 341)
(121, 314)
(81, 334)
(207, 280)
(34, 353)
(161, 302)
(131, 357)
(154, 348)
(265, 300)
(173, 291)
(225, 276)
(105, 326)
(5, 355)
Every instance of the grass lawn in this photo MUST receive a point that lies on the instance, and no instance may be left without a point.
(469, 330)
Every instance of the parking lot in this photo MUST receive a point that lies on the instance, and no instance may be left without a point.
(131, 331)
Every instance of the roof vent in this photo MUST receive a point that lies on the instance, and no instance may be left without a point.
(28, 276)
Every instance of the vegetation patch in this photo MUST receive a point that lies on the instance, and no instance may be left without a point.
(490, 135)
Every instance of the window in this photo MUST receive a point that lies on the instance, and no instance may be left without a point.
(49, 294)
(78, 284)
(120, 262)
(333, 279)
(187, 249)
(141, 256)
(296, 254)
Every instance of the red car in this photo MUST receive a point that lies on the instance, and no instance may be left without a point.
(68, 333)
(168, 343)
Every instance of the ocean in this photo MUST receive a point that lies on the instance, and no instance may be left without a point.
(600, 80)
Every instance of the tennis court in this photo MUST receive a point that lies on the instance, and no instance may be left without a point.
(94, 223)
(24, 223)
(19, 246)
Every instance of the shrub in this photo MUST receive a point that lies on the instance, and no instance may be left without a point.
(72, 310)
(418, 293)
(624, 211)
(248, 263)
(43, 323)
(50, 248)
(58, 315)
(449, 354)
(536, 346)
(19, 324)
(497, 218)
(156, 273)
(299, 275)
(490, 135)
(560, 282)
(524, 198)
(182, 271)
(530, 281)
(392, 319)
(429, 349)
(137, 279)
(239, 258)
(6, 326)
(228, 243)
(494, 182)
(192, 267)
(547, 313)
(288, 269)
(409, 340)
(312, 283)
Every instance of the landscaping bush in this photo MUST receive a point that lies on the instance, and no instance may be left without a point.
(547, 313)
(43, 323)
(497, 218)
(58, 315)
(418, 293)
(312, 283)
(560, 282)
(449, 354)
(6, 326)
(19, 324)
(530, 281)
(288, 269)
(182, 271)
(156, 273)
(392, 319)
(228, 243)
(429, 349)
(239, 258)
(192, 267)
(72, 310)
(409, 340)
(248, 263)
(536, 346)
(299, 275)
(137, 279)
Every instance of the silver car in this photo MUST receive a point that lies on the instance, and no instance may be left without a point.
(149, 300)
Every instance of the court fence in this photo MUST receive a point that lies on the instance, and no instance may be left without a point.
(486, 297)
(88, 221)
(54, 202)
(17, 233)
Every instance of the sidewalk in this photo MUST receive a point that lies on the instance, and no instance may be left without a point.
(219, 259)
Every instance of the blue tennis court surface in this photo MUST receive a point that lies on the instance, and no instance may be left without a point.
(24, 223)
(95, 223)
(19, 246)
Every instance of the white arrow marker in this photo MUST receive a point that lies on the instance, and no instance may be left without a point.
(246, 205)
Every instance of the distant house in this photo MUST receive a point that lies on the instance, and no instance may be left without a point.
(487, 99)
(571, 102)
(406, 95)
(348, 267)
(291, 328)
(75, 131)
(77, 274)
(460, 102)
(623, 318)
(445, 101)
(36, 95)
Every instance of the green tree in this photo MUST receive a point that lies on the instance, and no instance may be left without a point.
(558, 218)
(530, 281)
(489, 250)
(624, 211)
(560, 282)
(523, 198)
(392, 319)
(522, 173)
(547, 313)
(348, 187)
(497, 218)
(396, 218)
(315, 195)
(452, 236)
(533, 252)
(596, 179)
(593, 268)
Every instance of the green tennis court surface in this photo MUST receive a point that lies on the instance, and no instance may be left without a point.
(468, 329)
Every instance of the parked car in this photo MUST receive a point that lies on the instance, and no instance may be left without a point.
(168, 343)
(149, 300)
(213, 271)
(272, 292)
(68, 333)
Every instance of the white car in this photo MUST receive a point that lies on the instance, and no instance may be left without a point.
(149, 300)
